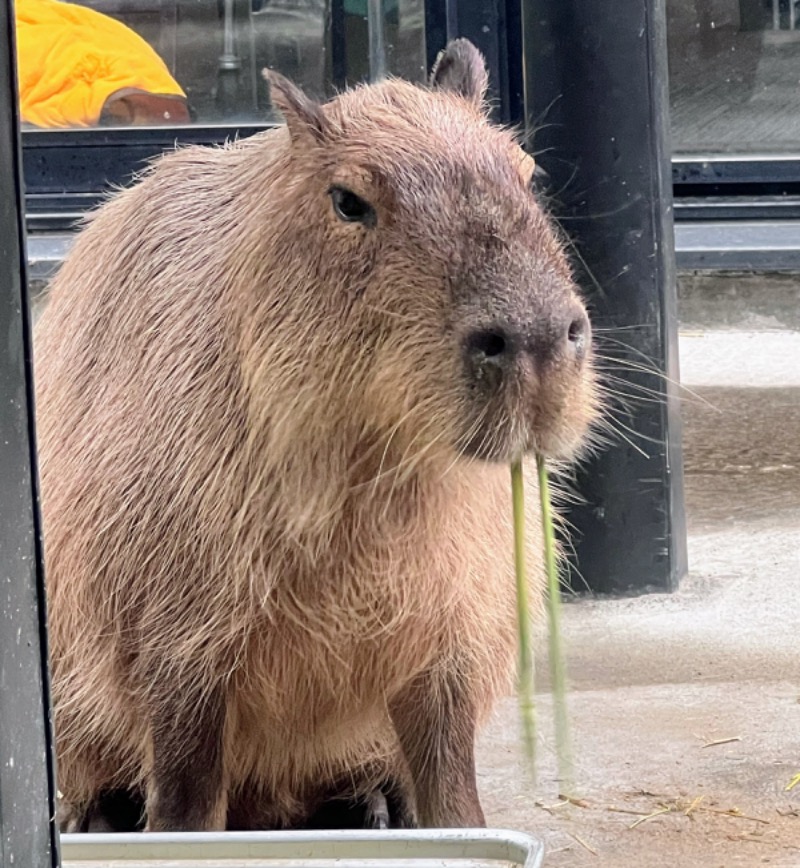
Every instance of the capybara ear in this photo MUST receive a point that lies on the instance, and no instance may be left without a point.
(460, 67)
(304, 117)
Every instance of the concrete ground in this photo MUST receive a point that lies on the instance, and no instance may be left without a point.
(685, 708)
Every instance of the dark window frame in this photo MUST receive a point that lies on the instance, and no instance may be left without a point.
(737, 213)
(68, 171)
(736, 187)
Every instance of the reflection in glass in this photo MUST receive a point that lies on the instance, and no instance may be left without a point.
(734, 75)
(79, 67)
(127, 62)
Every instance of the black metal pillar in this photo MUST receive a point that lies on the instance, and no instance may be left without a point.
(597, 105)
(27, 791)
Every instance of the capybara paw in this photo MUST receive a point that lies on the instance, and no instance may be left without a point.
(377, 811)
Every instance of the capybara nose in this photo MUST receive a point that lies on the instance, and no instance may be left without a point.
(559, 337)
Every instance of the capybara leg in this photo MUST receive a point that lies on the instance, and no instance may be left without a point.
(377, 811)
(401, 808)
(389, 808)
(117, 811)
(185, 790)
(364, 799)
(435, 722)
(98, 822)
(72, 818)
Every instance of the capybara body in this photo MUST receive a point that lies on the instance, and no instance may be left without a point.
(278, 387)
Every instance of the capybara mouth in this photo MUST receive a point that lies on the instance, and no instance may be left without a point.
(528, 407)
(502, 441)
(485, 448)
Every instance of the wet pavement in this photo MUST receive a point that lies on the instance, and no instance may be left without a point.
(686, 707)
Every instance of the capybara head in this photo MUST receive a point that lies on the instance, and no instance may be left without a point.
(432, 285)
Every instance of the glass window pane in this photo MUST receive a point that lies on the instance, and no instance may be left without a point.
(734, 75)
(173, 62)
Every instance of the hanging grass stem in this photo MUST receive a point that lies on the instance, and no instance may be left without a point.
(554, 645)
(525, 672)
(525, 680)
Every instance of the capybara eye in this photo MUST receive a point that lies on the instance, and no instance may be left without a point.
(350, 208)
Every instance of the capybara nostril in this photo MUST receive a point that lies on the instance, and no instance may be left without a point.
(578, 333)
(488, 346)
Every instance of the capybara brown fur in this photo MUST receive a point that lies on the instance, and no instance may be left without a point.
(279, 384)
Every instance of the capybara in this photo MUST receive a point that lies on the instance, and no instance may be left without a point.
(279, 385)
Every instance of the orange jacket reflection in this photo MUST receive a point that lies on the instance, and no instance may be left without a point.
(72, 59)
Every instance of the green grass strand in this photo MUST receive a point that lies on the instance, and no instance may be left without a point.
(555, 648)
(525, 671)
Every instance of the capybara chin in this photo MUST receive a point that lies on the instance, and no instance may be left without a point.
(279, 383)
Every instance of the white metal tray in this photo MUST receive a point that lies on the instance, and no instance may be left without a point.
(428, 848)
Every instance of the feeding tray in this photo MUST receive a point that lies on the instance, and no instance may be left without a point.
(422, 848)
